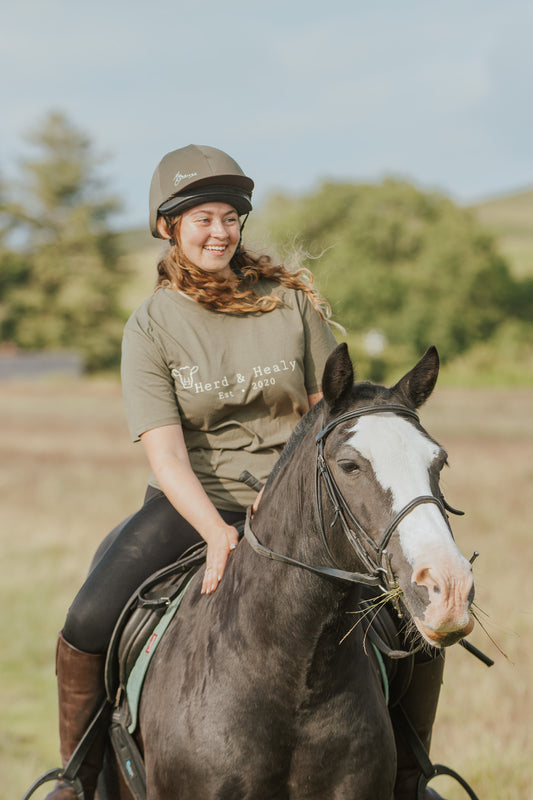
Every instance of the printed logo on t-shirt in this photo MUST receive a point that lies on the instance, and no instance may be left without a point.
(185, 375)
(259, 377)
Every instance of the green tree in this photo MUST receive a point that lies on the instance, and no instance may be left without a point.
(66, 278)
(409, 263)
(14, 269)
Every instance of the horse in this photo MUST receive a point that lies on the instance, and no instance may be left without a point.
(266, 688)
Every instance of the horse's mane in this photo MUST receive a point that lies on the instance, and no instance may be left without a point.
(295, 439)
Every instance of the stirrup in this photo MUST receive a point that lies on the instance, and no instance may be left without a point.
(440, 769)
(56, 775)
(428, 770)
(70, 773)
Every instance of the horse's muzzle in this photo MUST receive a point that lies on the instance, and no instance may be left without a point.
(444, 638)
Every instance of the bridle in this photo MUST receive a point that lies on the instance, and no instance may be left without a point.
(374, 557)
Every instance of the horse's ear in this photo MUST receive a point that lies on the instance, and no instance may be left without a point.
(415, 387)
(338, 378)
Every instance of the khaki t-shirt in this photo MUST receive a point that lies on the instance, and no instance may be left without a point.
(237, 384)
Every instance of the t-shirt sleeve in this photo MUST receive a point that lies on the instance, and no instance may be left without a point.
(319, 342)
(147, 385)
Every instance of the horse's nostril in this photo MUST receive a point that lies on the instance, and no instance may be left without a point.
(423, 577)
(471, 595)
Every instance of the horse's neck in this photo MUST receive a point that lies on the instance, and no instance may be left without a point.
(303, 617)
(287, 524)
(287, 520)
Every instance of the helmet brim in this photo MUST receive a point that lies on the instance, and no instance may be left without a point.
(233, 195)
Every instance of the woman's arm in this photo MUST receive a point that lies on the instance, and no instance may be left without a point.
(169, 460)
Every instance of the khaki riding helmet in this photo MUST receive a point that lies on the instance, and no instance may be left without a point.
(193, 175)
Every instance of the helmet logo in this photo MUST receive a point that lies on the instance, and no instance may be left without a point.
(178, 177)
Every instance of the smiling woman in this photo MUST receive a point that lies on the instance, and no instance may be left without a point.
(203, 222)
(208, 236)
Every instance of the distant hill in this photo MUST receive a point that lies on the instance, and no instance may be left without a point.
(510, 218)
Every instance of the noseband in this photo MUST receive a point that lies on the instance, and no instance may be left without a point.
(373, 556)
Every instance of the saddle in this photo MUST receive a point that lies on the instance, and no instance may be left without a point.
(142, 613)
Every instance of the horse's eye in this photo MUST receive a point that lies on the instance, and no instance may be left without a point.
(348, 466)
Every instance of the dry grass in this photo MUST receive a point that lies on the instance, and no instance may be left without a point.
(484, 722)
(68, 473)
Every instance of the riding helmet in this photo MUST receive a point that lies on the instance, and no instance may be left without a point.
(193, 175)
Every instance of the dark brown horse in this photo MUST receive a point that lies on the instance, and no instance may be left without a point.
(256, 692)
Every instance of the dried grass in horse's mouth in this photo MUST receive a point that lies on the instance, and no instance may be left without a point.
(373, 607)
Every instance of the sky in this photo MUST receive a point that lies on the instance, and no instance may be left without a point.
(298, 92)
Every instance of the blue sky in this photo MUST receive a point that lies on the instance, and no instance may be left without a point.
(297, 92)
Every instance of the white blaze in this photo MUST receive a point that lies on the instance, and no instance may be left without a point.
(401, 456)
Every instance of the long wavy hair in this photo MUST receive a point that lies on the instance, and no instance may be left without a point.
(234, 295)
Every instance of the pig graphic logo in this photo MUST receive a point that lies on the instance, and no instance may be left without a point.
(185, 375)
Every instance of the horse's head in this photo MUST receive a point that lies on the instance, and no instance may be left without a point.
(382, 469)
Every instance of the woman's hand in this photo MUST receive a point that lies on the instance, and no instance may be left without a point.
(219, 546)
(167, 453)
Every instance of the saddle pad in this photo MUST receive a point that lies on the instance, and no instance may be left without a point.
(140, 668)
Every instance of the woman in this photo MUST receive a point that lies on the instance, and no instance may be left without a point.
(218, 366)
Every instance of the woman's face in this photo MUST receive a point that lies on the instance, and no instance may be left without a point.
(209, 236)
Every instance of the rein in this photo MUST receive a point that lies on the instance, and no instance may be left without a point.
(328, 572)
(374, 557)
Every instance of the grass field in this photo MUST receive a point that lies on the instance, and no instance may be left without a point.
(68, 473)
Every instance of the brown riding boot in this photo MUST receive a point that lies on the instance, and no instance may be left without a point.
(420, 705)
(81, 689)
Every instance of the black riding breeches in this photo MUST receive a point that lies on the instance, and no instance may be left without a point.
(148, 541)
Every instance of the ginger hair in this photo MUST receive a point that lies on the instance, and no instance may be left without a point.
(234, 295)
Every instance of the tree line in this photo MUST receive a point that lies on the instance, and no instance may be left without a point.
(402, 268)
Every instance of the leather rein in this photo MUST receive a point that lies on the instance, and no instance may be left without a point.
(374, 556)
